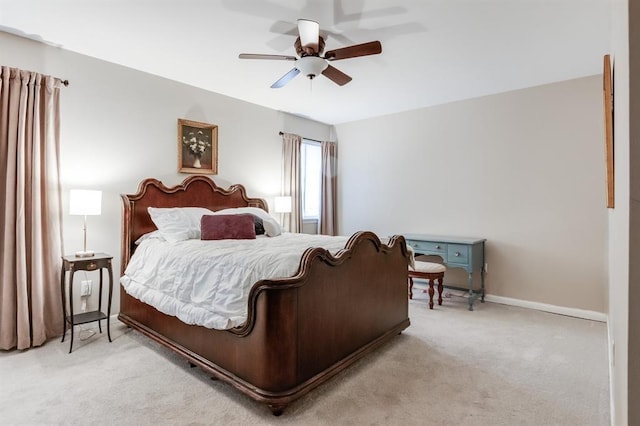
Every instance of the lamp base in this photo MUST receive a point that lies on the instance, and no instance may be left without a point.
(85, 253)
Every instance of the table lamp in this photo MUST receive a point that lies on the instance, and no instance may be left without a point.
(282, 205)
(85, 203)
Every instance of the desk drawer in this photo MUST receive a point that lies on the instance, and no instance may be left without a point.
(426, 247)
(458, 253)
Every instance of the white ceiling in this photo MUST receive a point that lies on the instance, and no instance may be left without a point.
(433, 51)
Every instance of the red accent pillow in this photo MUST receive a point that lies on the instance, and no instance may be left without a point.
(227, 227)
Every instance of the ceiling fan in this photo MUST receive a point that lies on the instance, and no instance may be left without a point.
(309, 46)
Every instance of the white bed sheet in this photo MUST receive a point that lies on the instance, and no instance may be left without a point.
(207, 283)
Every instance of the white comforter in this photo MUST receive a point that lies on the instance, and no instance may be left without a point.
(207, 283)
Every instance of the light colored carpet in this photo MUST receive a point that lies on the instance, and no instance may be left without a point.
(498, 365)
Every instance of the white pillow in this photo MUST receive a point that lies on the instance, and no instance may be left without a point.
(178, 223)
(148, 236)
(271, 226)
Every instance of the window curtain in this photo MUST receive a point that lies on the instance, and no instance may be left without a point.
(291, 180)
(329, 188)
(30, 215)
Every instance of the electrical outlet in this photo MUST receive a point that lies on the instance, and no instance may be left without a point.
(486, 268)
(613, 353)
(85, 288)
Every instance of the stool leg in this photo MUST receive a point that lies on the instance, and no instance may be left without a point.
(431, 292)
(410, 288)
(440, 288)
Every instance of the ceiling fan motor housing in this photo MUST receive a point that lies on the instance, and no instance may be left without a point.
(308, 50)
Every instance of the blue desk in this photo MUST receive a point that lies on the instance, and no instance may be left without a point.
(456, 252)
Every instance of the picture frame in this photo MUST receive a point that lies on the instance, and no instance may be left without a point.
(197, 147)
(607, 86)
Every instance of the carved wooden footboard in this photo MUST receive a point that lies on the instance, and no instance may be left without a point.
(301, 330)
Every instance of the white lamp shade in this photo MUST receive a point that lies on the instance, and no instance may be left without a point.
(311, 66)
(283, 205)
(85, 202)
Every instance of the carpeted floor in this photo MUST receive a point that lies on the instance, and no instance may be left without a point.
(497, 365)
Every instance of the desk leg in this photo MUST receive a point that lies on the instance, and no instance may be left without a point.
(471, 297)
(482, 281)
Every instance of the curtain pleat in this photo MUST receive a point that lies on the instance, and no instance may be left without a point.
(291, 185)
(31, 216)
(329, 188)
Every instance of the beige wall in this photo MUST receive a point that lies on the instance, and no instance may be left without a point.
(119, 126)
(523, 169)
(528, 173)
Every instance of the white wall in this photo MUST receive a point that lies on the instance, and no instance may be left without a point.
(524, 169)
(119, 126)
(623, 237)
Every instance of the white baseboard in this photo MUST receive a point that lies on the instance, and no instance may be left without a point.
(611, 384)
(562, 310)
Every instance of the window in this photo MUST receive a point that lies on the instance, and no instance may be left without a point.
(310, 175)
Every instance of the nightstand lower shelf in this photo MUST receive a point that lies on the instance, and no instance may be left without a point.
(86, 317)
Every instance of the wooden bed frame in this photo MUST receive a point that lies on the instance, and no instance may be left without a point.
(301, 330)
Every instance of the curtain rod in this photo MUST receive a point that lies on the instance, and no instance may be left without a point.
(65, 82)
(309, 139)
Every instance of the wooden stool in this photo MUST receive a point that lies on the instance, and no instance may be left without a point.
(428, 271)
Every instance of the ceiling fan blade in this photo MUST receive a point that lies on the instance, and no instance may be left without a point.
(364, 49)
(259, 56)
(335, 75)
(285, 78)
(285, 28)
(309, 33)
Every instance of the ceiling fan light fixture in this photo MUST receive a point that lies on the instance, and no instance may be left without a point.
(311, 66)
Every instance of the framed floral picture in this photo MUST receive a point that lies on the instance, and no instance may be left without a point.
(197, 147)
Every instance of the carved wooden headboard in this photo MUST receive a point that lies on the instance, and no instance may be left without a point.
(194, 191)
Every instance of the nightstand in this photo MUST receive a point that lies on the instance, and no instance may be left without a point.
(71, 264)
